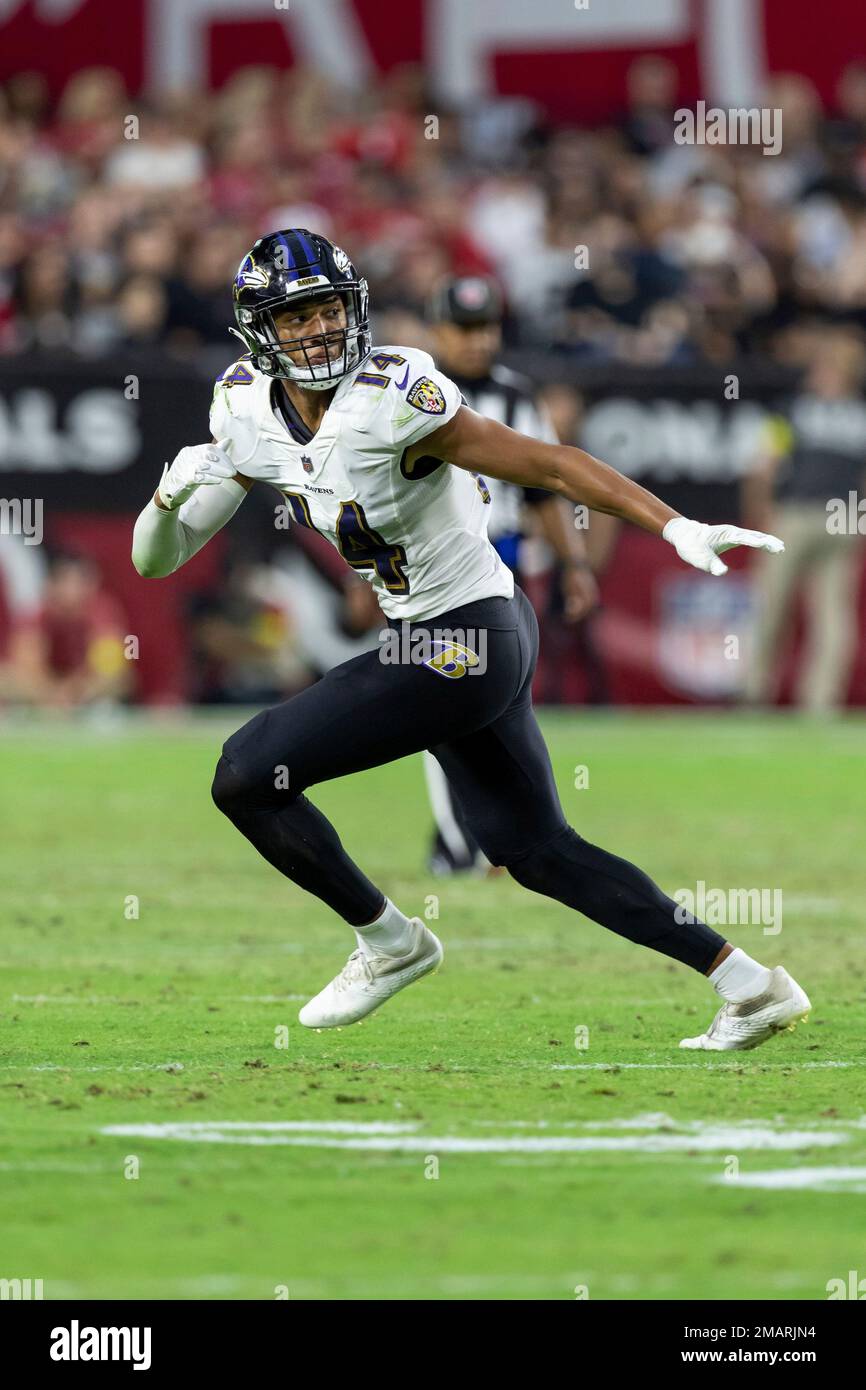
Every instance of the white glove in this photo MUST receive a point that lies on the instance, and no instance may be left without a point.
(196, 466)
(701, 545)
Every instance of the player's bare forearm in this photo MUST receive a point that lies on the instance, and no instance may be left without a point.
(584, 479)
(473, 442)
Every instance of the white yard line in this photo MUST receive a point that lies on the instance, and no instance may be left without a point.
(258, 998)
(70, 1067)
(839, 1179)
(689, 1066)
(202, 1128)
(658, 1120)
(489, 1069)
(114, 999)
(384, 1137)
(558, 1284)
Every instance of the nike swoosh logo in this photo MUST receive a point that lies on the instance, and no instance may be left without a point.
(401, 384)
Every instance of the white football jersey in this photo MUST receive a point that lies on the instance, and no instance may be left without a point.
(419, 535)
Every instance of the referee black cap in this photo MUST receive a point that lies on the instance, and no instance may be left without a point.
(465, 300)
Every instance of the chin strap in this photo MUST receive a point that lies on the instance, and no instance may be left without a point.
(255, 357)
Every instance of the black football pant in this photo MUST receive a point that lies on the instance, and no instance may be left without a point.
(479, 724)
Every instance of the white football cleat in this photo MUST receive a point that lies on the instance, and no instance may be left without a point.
(737, 1027)
(366, 981)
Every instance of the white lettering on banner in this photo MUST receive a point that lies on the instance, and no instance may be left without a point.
(838, 425)
(326, 36)
(99, 433)
(462, 36)
(733, 60)
(697, 440)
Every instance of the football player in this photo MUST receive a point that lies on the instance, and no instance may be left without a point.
(466, 313)
(374, 448)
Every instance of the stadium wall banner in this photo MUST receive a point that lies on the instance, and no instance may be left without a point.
(689, 434)
(665, 633)
(89, 439)
(91, 435)
(571, 59)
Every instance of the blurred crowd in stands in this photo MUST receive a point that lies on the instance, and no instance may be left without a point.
(123, 220)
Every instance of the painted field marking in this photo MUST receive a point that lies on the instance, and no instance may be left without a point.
(688, 1066)
(260, 998)
(108, 1066)
(840, 1179)
(387, 1137)
(386, 1288)
(487, 1069)
(194, 1128)
(658, 1120)
(42, 999)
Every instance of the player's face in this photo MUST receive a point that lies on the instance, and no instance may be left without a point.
(315, 319)
(468, 349)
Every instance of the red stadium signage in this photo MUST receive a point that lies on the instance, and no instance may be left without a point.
(571, 57)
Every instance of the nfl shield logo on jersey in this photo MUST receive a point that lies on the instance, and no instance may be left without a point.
(425, 395)
(307, 463)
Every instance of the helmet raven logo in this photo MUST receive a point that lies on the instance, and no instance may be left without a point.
(254, 278)
(341, 260)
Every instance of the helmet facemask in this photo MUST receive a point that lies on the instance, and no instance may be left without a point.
(344, 347)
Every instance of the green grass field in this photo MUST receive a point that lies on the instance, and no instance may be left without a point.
(558, 1165)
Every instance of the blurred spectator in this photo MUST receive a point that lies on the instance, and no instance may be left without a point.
(814, 457)
(90, 117)
(244, 643)
(200, 300)
(68, 651)
(12, 247)
(142, 311)
(846, 130)
(652, 98)
(45, 298)
(154, 155)
(22, 580)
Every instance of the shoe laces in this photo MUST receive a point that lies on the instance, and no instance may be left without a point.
(357, 968)
(722, 1017)
(728, 1019)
